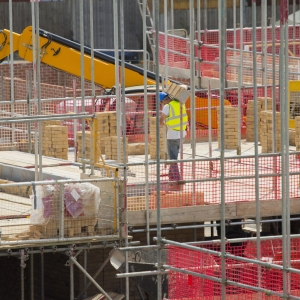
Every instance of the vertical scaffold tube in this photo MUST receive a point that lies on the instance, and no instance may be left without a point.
(146, 122)
(284, 113)
(199, 43)
(165, 83)
(222, 20)
(117, 75)
(31, 276)
(71, 280)
(92, 75)
(257, 200)
(264, 48)
(34, 88)
(42, 277)
(11, 59)
(274, 145)
(124, 134)
(287, 154)
(156, 63)
(192, 85)
(82, 82)
(39, 105)
(240, 77)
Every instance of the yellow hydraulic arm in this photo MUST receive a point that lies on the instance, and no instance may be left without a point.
(5, 43)
(65, 55)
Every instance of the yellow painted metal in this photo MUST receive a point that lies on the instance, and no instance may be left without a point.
(69, 60)
(294, 86)
(202, 111)
(5, 43)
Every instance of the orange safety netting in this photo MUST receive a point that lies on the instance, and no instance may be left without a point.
(189, 287)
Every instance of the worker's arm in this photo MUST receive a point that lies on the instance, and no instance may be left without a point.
(107, 106)
(164, 114)
(162, 119)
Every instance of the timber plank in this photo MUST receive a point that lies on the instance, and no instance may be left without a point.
(200, 213)
(203, 213)
(267, 208)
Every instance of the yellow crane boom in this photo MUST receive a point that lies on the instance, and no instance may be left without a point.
(65, 55)
(5, 43)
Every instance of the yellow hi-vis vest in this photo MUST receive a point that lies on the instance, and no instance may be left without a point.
(173, 121)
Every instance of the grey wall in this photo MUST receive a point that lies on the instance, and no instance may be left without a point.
(63, 18)
(209, 20)
(54, 16)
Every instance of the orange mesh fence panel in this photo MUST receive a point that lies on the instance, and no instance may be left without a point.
(212, 36)
(200, 181)
(179, 52)
(183, 286)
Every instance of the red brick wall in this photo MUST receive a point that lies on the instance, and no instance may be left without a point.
(54, 83)
(48, 91)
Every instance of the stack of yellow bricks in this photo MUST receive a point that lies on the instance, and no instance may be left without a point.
(55, 139)
(108, 136)
(111, 148)
(107, 126)
(88, 145)
(250, 115)
(103, 128)
(153, 141)
(266, 131)
(106, 123)
(112, 121)
(82, 225)
(230, 127)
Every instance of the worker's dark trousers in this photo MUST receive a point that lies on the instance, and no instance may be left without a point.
(173, 150)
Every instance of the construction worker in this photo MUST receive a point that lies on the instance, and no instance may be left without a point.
(174, 116)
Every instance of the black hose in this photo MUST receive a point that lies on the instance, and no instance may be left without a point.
(97, 54)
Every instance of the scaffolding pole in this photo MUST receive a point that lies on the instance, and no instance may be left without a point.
(222, 20)
(256, 139)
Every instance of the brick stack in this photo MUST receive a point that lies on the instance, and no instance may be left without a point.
(80, 216)
(88, 146)
(107, 126)
(102, 120)
(250, 115)
(112, 121)
(174, 199)
(55, 139)
(72, 227)
(266, 131)
(153, 141)
(105, 138)
(292, 136)
(230, 127)
(111, 148)
(250, 120)
(261, 104)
